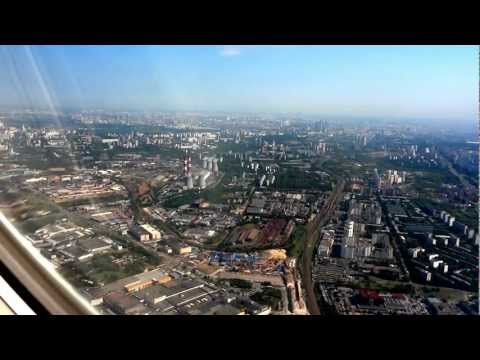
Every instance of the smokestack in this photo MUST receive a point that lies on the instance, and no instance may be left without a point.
(189, 166)
(185, 165)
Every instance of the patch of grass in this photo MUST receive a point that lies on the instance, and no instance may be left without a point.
(269, 296)
(240, 283)
(296, 242)
(102, 270)
(293, 179)
(29, 226)
(73, 276)
(374, 283)
(184, 198)
(206, 268)
(443, 293)
(216, 240)
(467, 216)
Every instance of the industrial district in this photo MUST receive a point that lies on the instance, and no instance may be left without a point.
(257, 214)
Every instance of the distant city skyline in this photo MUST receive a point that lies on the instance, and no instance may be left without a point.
(424, 82)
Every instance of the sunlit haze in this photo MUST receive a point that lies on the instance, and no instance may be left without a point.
(427, 82)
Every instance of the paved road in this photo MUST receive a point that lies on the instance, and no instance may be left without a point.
(313, 233)
(275, 280)
(395, 241)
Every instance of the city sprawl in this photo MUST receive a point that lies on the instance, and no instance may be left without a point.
(247, 214)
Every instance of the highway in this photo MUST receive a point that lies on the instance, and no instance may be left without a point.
(313, 233)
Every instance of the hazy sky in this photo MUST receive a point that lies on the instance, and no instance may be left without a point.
(398, 81)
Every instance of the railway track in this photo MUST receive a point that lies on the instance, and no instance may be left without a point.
(313, 233)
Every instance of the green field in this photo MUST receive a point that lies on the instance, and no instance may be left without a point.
(31, 225)
(297, 179)
(269, 296)
(102, 270)
(240, 283)
(296, 241)
(467, 216)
